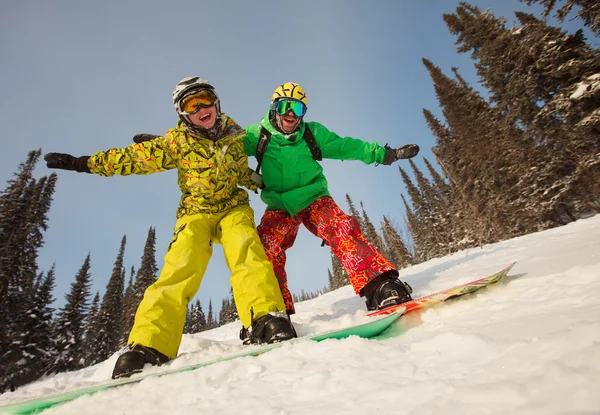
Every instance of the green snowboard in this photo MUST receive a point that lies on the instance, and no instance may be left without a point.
(34, 406)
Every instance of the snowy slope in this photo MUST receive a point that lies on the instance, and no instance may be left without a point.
(530, 345)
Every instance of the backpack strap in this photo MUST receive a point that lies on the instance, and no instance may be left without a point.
(312, 144)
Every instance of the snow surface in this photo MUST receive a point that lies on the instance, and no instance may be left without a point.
(527, 345)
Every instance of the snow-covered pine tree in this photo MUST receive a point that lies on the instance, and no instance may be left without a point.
(146, 276)
(228, 312)
(396, 249)
(129, 306)
(211, 322)
(196, 320)
(587, 10)
(354, 213)
(24, 205)
(110, 317)
(69, 326)
(541, 80)
(370, 232)
(91, 331)
(33, 346)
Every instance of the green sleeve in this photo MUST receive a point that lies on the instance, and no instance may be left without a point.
(345, 148)
(251, 139)
(141, 158)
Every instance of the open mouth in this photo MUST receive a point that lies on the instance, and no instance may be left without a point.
(205, 120)
(289, 120)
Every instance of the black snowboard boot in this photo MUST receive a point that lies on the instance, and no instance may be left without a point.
(245, 336)
(133, 361)
(385, 291)
(272, 328)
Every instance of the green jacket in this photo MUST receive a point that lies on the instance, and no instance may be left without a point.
(292, 178)
(209, 172)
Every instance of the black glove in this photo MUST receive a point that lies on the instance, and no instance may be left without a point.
(405, 152)
(140, 138)
(67, 162)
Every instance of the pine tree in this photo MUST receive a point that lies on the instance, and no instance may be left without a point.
(210, 320)
(340, 276)
(485, 155)
(330, 280)
(417, 220)
(370, 233)
(223, 312)
(129, 307)
(91, 332)
(110, 317)
(228, 312)
(13, 207)
(354, 213)
(439, 229)
(196, 321)
(589, 11)
(460, 208)
(70, 329)
(33, 347)
(541, 80)
(398, 254)
(146, 276)
(24, 205)
(416, 230)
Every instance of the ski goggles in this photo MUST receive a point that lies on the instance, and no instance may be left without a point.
(191, 104)
(283, 106)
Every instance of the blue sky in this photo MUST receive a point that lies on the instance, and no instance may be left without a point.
(80, 77)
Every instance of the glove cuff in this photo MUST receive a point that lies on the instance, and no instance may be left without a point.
(390, 156)
(80, 164)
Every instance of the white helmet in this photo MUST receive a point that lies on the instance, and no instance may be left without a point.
(189, 84)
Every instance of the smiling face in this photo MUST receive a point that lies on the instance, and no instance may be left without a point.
(205, 117)
(289, 122)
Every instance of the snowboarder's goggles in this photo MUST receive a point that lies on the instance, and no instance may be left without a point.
(283, 106)
(192, 103)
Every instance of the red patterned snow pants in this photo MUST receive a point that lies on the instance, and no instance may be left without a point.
(323, 218)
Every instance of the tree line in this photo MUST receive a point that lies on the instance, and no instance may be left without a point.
(519, 157)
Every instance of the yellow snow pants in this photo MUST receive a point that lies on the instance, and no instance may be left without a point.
(160, 317)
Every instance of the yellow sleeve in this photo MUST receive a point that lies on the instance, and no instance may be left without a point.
(246, 180)
(141, 158)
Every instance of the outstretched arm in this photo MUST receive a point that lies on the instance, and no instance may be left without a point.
(348, 148)
(141, 158)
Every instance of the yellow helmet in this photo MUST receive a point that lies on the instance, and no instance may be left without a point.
(289, 90)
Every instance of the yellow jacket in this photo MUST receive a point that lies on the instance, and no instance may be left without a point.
(209, 172)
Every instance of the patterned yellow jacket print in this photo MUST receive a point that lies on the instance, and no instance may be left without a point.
(209, 172)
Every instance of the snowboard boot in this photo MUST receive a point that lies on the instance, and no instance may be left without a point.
(133, 361)
(385, 291)
(245, 336)
(271, 328)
